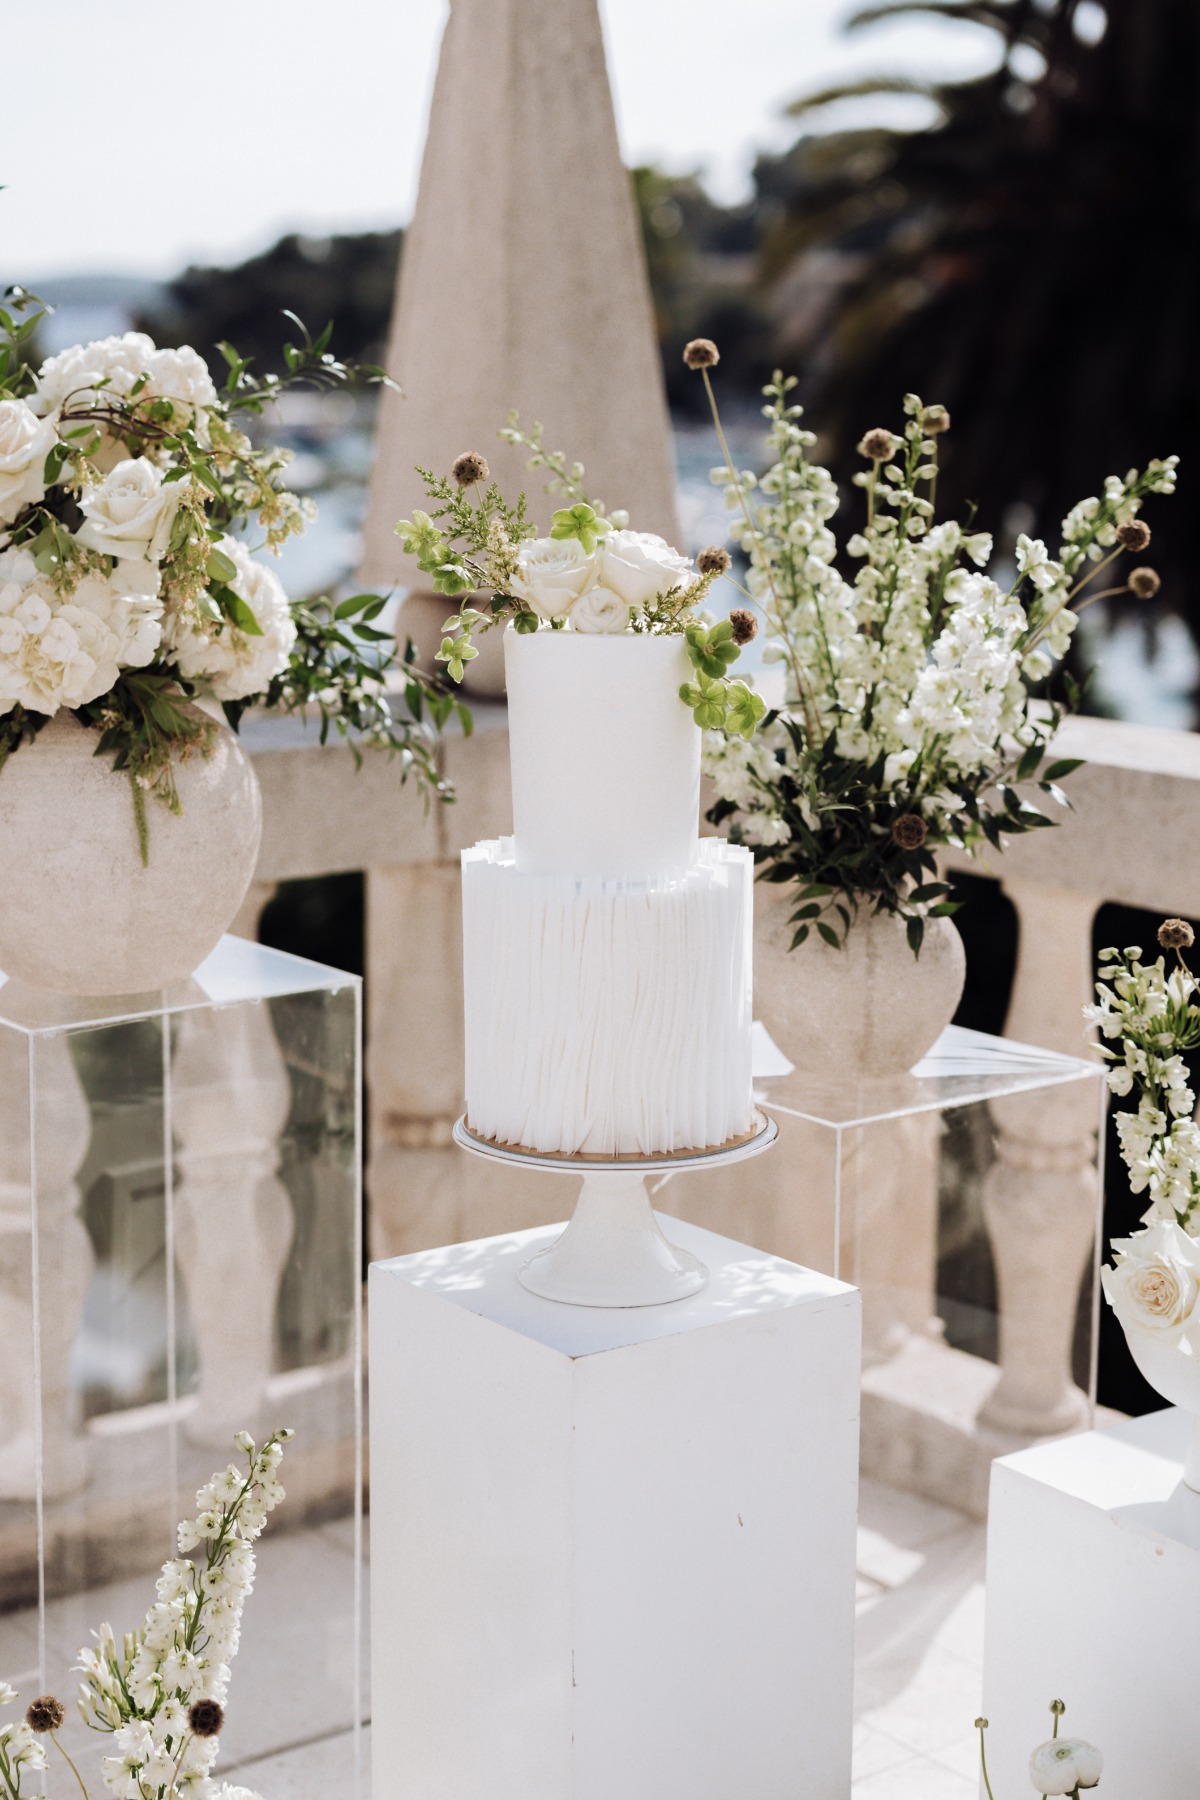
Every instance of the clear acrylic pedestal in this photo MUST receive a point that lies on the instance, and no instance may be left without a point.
(180, 1259)
(964, 1200)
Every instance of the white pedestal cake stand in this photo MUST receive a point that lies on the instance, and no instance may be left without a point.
(613, 1251)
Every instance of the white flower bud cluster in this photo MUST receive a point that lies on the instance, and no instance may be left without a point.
(1149, 1017)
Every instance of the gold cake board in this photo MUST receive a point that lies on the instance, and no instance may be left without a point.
(762, 1130)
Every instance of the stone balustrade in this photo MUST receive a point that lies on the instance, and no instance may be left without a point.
(1128, 840)
(933, 1417)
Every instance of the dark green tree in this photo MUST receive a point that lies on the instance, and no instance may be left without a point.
(1031, 259)
(349, 279)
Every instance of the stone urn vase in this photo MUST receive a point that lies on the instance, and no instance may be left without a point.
(864, 1011)
(79, 912)
(1176, 1376)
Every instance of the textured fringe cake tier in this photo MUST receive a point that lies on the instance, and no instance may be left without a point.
(608, 1016)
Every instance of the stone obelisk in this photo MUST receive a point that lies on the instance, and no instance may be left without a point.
(523, 280)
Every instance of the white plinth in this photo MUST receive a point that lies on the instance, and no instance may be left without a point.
(1093, 1597)
(612, 1552)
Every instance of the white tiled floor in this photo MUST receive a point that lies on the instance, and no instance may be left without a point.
(920, 1649)
(917, 1678)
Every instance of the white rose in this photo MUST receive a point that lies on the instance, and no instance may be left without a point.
(111, 365)
(131, 512)
(181, 375)
(25, 442)
(1061, 1765)
(1155, 1282)
(600, 610)
(552, 573)
(637, 565)
(236, 664)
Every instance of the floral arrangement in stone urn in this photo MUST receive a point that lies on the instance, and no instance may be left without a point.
(159, 1692)
(1150, 1016)
(909, 721)
(137, 624)
(592, 576)
(1061, 1765)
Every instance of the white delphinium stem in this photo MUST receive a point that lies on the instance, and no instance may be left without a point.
(1153, 1019)
(145, 1694)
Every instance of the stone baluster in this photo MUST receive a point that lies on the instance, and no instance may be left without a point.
(423, 1190)
(1039, 1196)
(38, 1190)
(230, 1097)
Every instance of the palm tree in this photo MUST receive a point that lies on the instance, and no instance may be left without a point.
(1031, 259)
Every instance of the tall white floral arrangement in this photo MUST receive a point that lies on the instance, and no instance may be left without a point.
(911, 665)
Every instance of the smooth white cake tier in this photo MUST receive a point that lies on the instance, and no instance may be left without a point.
(605, 755)
(608, 1017)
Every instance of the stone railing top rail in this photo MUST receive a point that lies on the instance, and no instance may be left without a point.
(1134, 836)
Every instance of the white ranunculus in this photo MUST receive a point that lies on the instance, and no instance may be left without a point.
(1154, 1284)
(131, 513)
(234, 664)
(110, 365)
(25, 442)
(600, 610)
(637, 565)
(552, 573)
(1061, 1765)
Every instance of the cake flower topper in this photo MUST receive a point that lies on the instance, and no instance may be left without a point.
(592, 574)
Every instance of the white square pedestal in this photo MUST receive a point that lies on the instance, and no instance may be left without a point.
(612, 1552)
(1093, 1597)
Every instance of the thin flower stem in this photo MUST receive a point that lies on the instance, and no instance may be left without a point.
(983, 1764)
(187, 1738)
(1095, 570)
(69, 1763)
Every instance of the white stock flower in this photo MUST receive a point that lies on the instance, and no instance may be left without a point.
(131, 512)
(600, 610)
(1155, 1282)
(108, 365)
(233, 663)
(25, 442)
(638, 565)
(228, 1792)
(1061, 1765)
(551, 575)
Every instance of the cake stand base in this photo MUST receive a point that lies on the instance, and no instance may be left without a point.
(613, 1252)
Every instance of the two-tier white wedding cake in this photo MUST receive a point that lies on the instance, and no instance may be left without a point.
(607, 960)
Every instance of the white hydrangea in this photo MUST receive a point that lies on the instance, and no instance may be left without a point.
(57, 652)
(232, 663)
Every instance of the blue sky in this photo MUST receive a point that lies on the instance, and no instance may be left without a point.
(269, 127)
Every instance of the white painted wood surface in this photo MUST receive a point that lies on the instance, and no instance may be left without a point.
(1093, 1593)
(612, 1552)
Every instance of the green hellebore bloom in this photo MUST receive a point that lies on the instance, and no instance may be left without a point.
(582, 522)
